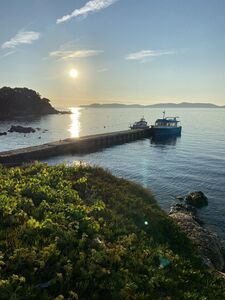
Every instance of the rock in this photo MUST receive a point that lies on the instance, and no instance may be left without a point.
(3, 133)
(187, 209)
(21, 129)
(210, 248)
(65, 112)
(196, 199)
(181, 198)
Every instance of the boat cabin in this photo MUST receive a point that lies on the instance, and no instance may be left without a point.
(166, 126)
(142, 124)
(167, 122)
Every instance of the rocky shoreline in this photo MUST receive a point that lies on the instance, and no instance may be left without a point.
(210, 247)
(22, 129)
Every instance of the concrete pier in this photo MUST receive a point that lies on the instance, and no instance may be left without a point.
(84, 144)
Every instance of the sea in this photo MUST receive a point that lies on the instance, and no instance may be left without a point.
(169, 168)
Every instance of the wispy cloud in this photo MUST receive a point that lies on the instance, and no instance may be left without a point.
(8, 53)
(75, 54)
(102, 70)
(143, 55)
(90, 7)
(3, 56)
(22, 37)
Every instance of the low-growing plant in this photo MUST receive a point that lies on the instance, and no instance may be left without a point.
(81, 233)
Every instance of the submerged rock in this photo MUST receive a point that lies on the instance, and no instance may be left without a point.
(21, 129)
(3, 133)
(196, 199)
(210, 247)
(181, 198)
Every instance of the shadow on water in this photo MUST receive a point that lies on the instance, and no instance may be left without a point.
(165, 140)
(24, 119)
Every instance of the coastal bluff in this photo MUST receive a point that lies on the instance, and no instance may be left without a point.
(16, 102)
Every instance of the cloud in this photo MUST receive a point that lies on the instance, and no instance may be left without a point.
(146, 54)
(90, 7)
(75, 54)
(102, 70)
(22, 37)
(8, 53)
(3, 56)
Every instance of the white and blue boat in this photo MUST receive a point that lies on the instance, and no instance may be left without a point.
(167, 126)
(142, 124)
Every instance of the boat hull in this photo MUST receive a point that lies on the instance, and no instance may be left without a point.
(166, 131)
(139, 127)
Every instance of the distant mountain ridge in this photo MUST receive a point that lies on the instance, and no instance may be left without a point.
(158, 105)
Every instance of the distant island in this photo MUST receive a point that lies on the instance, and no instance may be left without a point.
(159, 105)
(15, 102)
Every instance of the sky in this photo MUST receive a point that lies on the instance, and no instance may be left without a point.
(126, 51)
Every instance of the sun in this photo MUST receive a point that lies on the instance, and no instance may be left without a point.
(73, 73)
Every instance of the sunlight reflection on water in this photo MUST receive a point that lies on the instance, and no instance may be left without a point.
(75, 122)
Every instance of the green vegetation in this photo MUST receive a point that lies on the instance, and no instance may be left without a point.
(80, 233)
(23, 102)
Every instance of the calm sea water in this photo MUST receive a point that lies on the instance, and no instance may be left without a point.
(195, 161)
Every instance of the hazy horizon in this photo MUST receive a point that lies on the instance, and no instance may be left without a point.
(121, 51)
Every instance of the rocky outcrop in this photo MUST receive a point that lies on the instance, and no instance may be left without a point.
(21, 129)
(3, 133)
(210, 247)
(16, 102)
(196, 199)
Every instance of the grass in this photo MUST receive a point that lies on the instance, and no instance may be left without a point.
(81, 233)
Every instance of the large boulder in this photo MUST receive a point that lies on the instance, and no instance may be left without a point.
(196, 199)
(209, 245)
(21, 129)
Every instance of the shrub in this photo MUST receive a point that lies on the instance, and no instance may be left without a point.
(81, 233)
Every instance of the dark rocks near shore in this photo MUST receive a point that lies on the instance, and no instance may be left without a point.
(183, 208)
(65, 112)
(3, 133)
(181, 198)
(210, 247)
(21, 129)
(196, 199)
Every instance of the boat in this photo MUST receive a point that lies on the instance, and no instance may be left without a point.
(142, 124)
(166, 126)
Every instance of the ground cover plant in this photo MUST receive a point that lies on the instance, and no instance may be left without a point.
(80, 233)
